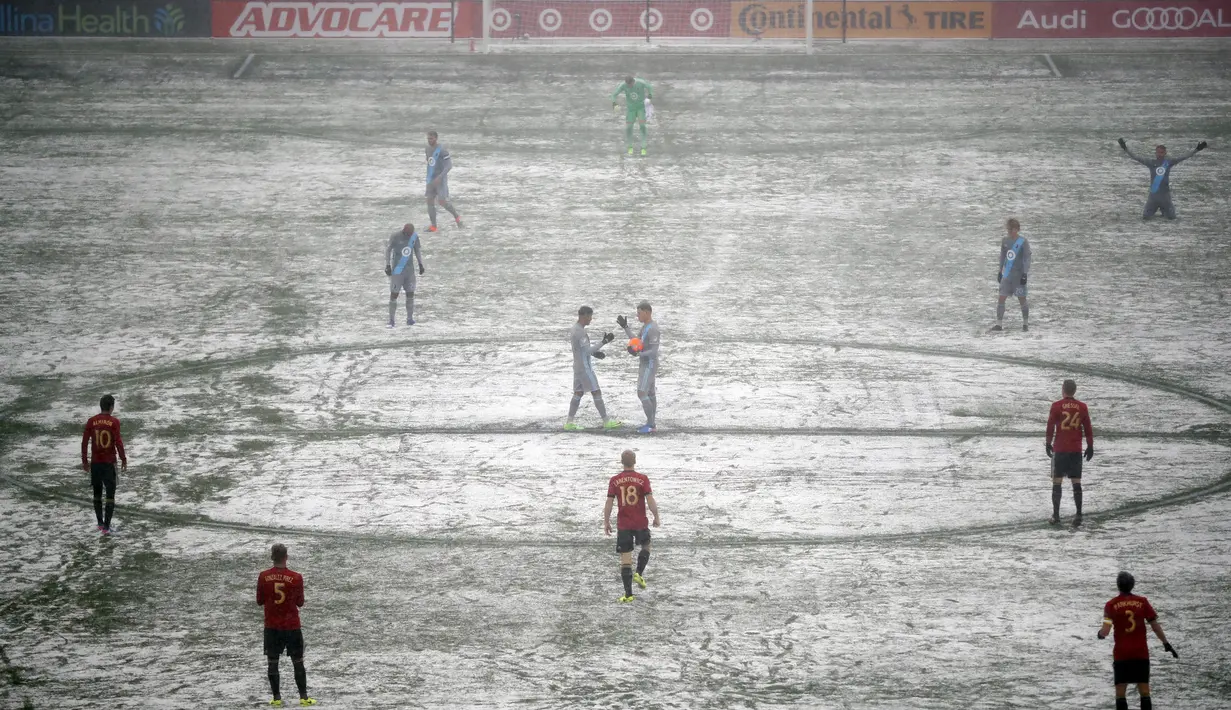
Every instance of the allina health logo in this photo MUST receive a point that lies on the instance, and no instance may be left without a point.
(169, 20)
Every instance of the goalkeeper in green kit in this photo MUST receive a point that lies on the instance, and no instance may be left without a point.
(637, 95)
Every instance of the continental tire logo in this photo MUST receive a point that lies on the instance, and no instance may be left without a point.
(1156, 18)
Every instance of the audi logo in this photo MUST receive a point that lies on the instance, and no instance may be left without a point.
(1156, 18)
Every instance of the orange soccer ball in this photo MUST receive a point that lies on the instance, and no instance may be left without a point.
(635, 344)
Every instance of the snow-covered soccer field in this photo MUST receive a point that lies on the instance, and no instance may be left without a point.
(849, 466)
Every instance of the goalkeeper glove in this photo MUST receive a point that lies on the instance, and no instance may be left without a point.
(1101, 635)
(1169, 649)
(1048, 449)
(1202, 146)
(608, 337)
(1089, 452)
(1122, 144)
(388, 270)
(622, 321)
(600, 355)
(1023, 279)
(420, 269)
(630, 350)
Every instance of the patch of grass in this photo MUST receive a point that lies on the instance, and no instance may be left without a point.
(200, 488)
(139, 402)
(253, 445)
(37, 393)
(266, 415)
(257, 383)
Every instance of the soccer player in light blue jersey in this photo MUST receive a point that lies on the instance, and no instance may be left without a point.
(647, 368)
(1014, 267)
(402, 244)
(584, 379)
(1160, 177)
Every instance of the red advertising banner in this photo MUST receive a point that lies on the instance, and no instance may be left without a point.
(343, 18)
(1112, 18)
(609, 18)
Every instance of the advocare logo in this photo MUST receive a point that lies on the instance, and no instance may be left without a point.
(169, 20)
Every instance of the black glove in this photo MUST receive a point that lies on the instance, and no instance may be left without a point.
(1023, 279)
(608, 337)
(1101, 635)
(1122, 144)
(1202, 146)
(600, 355)
(1167, 647)
(420, 269)
(388, 270)
(1047, 448)
(630, 350)
(622, 321)
(1089, 452)
(999, 276)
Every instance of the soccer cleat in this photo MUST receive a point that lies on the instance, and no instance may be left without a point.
(997, 327)
(1054, 520)
(307, 701)
(1077, 520)
(276, 702)
(612, 424)
(410, 321)
(106, 530)
(458, 220)
(433, 228)
(390, 324)
(639, 579)
(101, 528)
(1025, 327)
(626, 599)
(571, 426)
(630, 150)
(645, 429)
(643, 152)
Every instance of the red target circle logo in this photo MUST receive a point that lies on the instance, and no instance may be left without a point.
(702, 19)
(550, 20)
(600, 20)
(656, 20)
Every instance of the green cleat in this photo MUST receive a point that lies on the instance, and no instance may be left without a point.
(643, 152)
(307, 701)
(630, 150)
(276, 702)
(612, 424)
(639, 580)
(626, 599)
(571, 426)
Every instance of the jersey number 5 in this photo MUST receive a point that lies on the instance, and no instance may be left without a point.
(279, 595)
(628, 495)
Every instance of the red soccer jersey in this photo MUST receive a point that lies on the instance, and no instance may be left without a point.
(103, 432)
(1129, 614)
(280, 591)
(1067, 419)
(630, 488)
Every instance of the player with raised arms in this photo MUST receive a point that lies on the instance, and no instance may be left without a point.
(439, 163)
(584, 379)
(1128, 614)
(637, 105)
(630, 491)
(1160, 177)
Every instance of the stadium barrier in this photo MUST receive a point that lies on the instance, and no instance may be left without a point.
(488, 23)
(105, 18)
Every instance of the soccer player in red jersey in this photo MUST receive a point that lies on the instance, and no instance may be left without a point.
(99, 446)
(1067, 420)
(1128, 613)
(631, 490)
(280, 590)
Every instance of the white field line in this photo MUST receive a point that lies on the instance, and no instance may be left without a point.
(243, 67)
(1052, 64)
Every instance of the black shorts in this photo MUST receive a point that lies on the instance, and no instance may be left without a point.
(1132, 670)
(102, 475)
(1066, 465)
(277, 641)
(626, 538)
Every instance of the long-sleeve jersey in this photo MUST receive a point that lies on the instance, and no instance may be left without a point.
(579, 339)
(397, 254)
(635, 95)
(1066, 421)
(101, 441)
(649, 341)
(1160, 170)
(439, 162)
(1021, 258)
